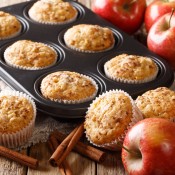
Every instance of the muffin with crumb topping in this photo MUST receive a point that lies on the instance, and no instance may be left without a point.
(18, 113)
(109, 117)
(27, 54)
(10, 26)
(131, 69)
(68, 87)
(89, 38)
(52, 12)
(159, 102)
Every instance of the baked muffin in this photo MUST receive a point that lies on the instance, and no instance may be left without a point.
(18, 113)
(9, 25)
(131, 69)
(89, 38)
(109, 117)
(27, 54)
(159, 102)
(52, 12)
(68, 87)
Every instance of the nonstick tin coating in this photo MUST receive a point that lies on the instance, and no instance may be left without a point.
(90, 64)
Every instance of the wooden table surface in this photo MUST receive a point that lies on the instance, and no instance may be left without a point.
(79, 164)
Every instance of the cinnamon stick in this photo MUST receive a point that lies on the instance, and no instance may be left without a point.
(82, 148)
(64, 168)
(18, 157)
(66, 146)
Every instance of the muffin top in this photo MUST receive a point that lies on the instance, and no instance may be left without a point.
(16, 113)
(131, 67)
(67, 86)
(9, 25)
(52, 11)
(159, 102)
(29, 54)
(86, 37)
(108, 117)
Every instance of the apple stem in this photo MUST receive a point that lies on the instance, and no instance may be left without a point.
(129, 151)
(170, 17)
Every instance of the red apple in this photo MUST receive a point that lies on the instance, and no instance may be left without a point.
(157, 9)
(161, 38)
(128, 15)
(153, 142)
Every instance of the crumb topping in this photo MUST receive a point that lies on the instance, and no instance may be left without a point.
(15, 113)
(108, 117)
(66, 85)
(52, 11)
(131, 67)
(89, 37)
(9, 25)
(159, 102)
(27, 53)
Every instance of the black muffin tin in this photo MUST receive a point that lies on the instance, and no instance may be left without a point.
(90, 64)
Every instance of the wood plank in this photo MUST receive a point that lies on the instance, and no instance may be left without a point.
(42, 153)
(112, 165)
(9, 167)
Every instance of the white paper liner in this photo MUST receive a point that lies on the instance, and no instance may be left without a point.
(18, 138)
(53, 23)
(137, 116)
(123, 80)
(13, 35)
(78, 101)
(30, 68)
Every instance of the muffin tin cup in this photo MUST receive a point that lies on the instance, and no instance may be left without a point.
(18, 138)
(90, 64)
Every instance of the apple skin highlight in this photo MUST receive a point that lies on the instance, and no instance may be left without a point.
(154, 140)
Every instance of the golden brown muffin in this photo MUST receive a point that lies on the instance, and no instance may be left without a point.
(52, 12)
(131, 69)
(89, 38)
(26, 54)
(108, 118)
(68, 87)
(159, 102)
(18, 113)
(9, 26)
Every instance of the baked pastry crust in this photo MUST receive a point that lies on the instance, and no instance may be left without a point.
(53, 12)
(90, 38)
(68, 87)
(131, 68)
(159, 102)
(29, 54)
(9, 25)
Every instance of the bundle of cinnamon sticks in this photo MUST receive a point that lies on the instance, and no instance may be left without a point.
(69, 143)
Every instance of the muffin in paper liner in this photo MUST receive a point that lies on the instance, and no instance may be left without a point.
(53, 12)
(159, 103)
(18, 113)
(132, 69)
(68, 87)
(10, 26)
(30, 55)
(89, 38)
(109, 117)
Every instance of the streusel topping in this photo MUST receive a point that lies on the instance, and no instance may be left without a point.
(15, 113)
(68, 86)
(88, 37)
(9, 25)
(131, 67)
(108, 117)
(26, 53)
(159, 102)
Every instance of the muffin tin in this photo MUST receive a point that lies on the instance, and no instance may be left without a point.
(90, 64)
